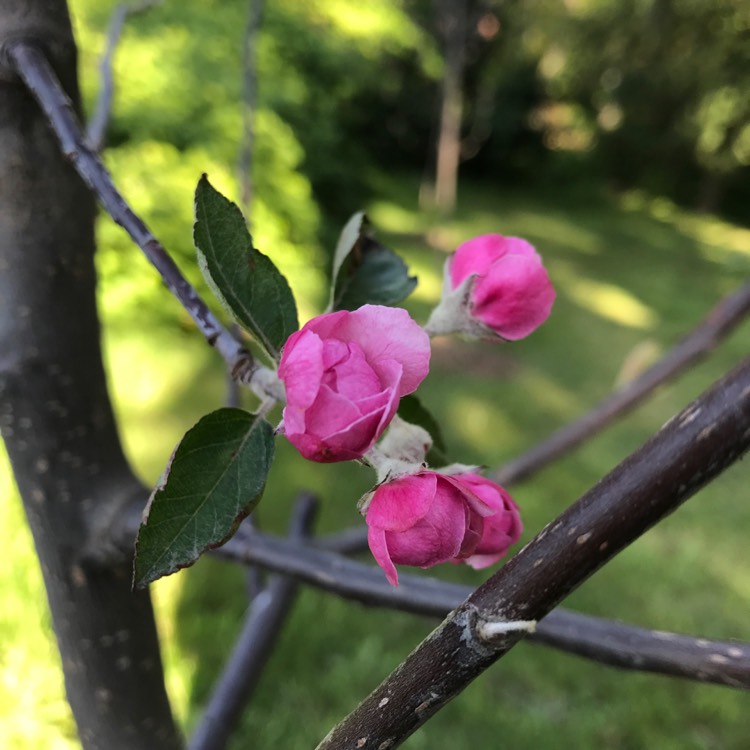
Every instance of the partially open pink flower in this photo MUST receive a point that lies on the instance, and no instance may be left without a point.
(344, 374)
(428, 518)
(512, 293)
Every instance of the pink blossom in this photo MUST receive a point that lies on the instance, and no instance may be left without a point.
(428, 518)
(512, 293)
(344, 374)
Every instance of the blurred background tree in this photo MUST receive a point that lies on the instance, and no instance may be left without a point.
(632, 94)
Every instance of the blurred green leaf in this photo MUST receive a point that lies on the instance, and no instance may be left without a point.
(214, 479)
(247, 282)
(349, 238)
(366, 272)
(411, 410)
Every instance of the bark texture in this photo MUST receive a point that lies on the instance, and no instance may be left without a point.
(55, 412)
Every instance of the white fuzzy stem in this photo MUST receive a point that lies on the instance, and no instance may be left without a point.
(489, 630)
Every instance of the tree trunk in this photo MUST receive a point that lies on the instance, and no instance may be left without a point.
(453, 19)
(56, 416)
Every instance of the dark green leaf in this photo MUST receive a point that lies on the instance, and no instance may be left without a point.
(380, 278)
(366, 272)
(247, 282)
(348, 241)
(214, 479)
(410, 409)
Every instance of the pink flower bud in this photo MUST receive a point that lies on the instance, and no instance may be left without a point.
(344, 374)
(512, 293)
(495, 287)
(428, 518)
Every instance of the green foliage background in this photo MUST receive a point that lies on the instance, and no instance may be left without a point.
(347, 94)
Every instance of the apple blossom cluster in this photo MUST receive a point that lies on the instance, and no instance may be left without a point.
(345, 372)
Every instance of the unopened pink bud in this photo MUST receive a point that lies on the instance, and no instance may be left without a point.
(512, 293)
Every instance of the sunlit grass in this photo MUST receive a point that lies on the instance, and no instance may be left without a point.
(720, 240)
(607, 300)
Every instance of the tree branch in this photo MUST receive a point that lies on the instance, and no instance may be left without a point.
(254, 646)
(34, 69)
(249, 101)
(97, 126)
(640, 649)
(720, 321)
(689, 451)
(595, 638)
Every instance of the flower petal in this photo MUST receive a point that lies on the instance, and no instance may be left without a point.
(349, 373)
(389, 333)
(435, 538)
(301, 368)
(379, 549)
(397, 505)
(475, 256)
(514, 297)
(478, 562)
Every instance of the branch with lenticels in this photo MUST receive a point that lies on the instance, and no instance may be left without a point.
(687, 453)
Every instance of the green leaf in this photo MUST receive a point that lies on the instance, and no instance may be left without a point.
(366, 272)
(246, 282)
(410, 409)
(214, 479)
(348, 240)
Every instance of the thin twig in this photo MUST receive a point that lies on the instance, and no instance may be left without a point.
(599, 639)
(233, 395)
(34, 69)
(688, 452)
(249, 101)
(254, 646)
(97, 126)
(722, 319)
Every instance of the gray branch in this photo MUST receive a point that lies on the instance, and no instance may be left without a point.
(253, 648)
(599, 639)
(97, 126)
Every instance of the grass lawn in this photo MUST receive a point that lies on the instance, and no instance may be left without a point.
(632, 275)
